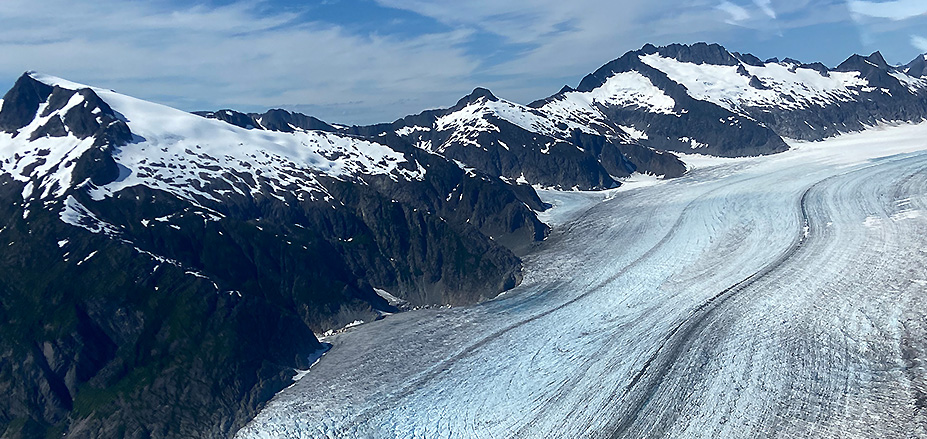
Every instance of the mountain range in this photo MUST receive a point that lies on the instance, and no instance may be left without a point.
(164, 273)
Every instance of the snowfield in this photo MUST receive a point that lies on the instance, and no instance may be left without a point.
(778, 296)
(169, 144)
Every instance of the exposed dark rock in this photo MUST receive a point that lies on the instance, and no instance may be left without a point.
(817, 67)
(21, 103)
(749, 59)
(918, 67)
(53, 128)
(698, 53)
(282, 120)
(230, 116)
(95, 118)
(57, 100)
(659, 163)
(741, 70)
(274, 120)
(477, 94)
(859, 63)
(757, 83)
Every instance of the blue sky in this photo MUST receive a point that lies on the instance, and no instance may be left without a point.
(367, 61)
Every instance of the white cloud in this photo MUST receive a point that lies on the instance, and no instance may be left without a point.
(766, 7)
(247, 55)
(736, 13)
(566, 39)
(893, 10)
(919, 42)
(233, 56)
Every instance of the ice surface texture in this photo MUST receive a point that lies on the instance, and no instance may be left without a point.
(775, 296)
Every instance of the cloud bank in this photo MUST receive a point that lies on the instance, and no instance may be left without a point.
(252, 55)
(237, 55)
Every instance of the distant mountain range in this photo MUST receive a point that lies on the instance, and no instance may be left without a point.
(163, 273)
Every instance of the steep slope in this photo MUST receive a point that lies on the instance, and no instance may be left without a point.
(917, 68)
(704, 98)
(527, 145)
(163, 273)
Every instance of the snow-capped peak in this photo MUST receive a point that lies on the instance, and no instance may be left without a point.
(185, 154)
(782, 85)
(56, 81)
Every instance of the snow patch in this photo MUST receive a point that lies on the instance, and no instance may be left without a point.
(634, 133)
(75, 214)
(186, 155)
(785, 86)
(391, 299)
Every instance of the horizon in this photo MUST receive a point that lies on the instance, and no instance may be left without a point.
(375, 61)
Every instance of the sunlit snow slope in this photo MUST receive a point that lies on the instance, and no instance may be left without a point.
(776, 296)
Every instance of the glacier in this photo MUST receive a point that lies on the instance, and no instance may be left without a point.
(767, 296)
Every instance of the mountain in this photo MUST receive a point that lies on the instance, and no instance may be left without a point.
(163, 274)
(917, 68)
(635, 112)
(501, 138)
(702, 98)
(528, 145)
(273, 120)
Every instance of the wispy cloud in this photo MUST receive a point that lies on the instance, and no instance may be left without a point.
(766, 7)
(562, 40)
(252, 55)
(736, 14)
(919, 42)
(237, 55)
(893, 10)
(890, 23)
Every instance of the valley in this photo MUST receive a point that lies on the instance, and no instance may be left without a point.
(776, 296)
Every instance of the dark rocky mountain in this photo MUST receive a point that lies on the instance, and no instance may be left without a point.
(274, 120)
(500, 138)
(917, 68)
(527, 145)
(702, 98)
(164, 274)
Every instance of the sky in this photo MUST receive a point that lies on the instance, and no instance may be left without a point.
(370, 61)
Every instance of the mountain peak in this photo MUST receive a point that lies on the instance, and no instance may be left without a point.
(749, 59)
(877, 59)
(54, 81)
(475, 95)
(917, 67)
(698, 53)
(861, 63)
(22, 101)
